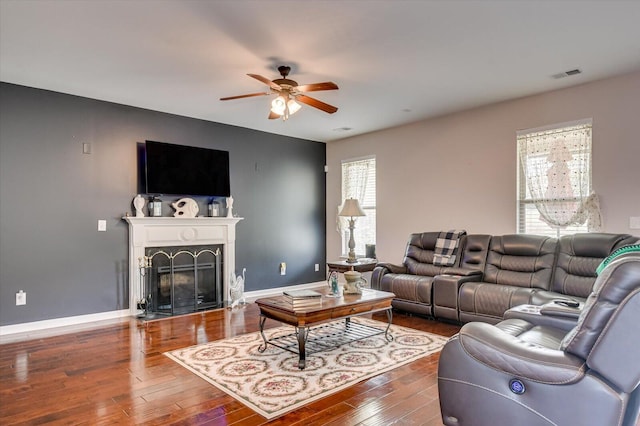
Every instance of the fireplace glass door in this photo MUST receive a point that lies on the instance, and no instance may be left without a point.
(183, 279)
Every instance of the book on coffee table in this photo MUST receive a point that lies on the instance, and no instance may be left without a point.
(301, 294)
(302, 298)
(305, 304)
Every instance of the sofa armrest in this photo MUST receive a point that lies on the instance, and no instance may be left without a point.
(561, 317)
(463, 272)
(445, 292)
(504, 352)
(543, 297)
(384, 268)
(393, 269)
(558, 308)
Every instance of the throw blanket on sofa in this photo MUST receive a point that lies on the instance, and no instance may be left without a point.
(446, 245)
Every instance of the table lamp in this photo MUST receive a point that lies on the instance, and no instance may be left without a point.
(351, 209)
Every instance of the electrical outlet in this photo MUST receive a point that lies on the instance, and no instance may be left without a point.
(21, 298)
(317, 267)
(283, 268)
(634, 222)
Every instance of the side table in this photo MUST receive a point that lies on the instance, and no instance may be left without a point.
(342, 266)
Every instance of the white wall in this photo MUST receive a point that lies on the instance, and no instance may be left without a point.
(459, 170)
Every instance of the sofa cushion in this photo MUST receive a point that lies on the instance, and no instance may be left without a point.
(578, 257)
(521, 261)
(619, 280)
(491, 300)
(414, 288)
(420, 254)
(474, 251)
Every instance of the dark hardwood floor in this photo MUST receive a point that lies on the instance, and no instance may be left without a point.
(117, 374)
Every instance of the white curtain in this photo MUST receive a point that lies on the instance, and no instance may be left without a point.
(355, 175)
(557, 170)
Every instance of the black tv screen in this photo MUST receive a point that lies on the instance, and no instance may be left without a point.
(185, 170)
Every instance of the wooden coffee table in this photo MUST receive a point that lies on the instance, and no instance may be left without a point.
(315, 327)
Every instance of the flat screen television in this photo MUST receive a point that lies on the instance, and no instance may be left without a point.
(185, 170)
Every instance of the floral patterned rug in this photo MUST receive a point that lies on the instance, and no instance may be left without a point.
(271, 383)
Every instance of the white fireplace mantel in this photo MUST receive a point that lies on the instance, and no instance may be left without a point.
(173, 231)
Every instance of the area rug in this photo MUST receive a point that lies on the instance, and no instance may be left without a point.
(271, 382)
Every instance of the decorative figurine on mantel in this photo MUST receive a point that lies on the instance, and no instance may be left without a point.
(229, 206)
(138, 203)
(185, 207)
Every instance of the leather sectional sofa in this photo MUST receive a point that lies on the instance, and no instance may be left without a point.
(495, 273)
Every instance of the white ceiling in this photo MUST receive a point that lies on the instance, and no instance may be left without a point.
(395, 61)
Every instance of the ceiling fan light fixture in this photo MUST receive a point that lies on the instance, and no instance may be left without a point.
(278, 105)
(289, 93)
(283, 107)
(293, 106)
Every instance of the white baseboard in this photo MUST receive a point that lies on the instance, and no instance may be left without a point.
(90, 319)
(29, 327)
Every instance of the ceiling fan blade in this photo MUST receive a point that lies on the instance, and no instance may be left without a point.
(273, 115)
(244, 96)
(266, 81)
(316, 103)
(327, 85)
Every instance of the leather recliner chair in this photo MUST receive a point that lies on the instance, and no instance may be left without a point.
(518, 372)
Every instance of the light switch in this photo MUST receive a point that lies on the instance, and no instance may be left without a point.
(21, 298)
(102, 225)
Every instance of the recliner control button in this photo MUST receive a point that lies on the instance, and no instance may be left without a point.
(516, 386)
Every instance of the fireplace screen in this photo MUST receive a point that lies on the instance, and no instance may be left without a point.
(180, 280)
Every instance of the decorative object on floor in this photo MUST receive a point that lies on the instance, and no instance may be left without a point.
(355, 282)
(229, 206)
(285, 105)
(236, 289)
(138, 203)
(271, 382)
(185, 207)
(351, 208)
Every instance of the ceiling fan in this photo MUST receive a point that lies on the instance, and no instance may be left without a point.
(288, 93)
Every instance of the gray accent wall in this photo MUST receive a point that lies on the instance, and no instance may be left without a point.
(52, 196)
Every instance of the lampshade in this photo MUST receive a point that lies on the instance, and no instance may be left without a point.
(351, 208)
(293, 106)
(282, 106)
(278, 105)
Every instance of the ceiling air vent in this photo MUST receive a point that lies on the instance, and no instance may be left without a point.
(567, 73)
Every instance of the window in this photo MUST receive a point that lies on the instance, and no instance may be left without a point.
(554, 180)
(359, 181)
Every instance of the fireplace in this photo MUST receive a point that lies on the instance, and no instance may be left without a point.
(178, 280)
(170, 234)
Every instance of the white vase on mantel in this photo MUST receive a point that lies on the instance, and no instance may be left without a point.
(138, 203)
(229, 206)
